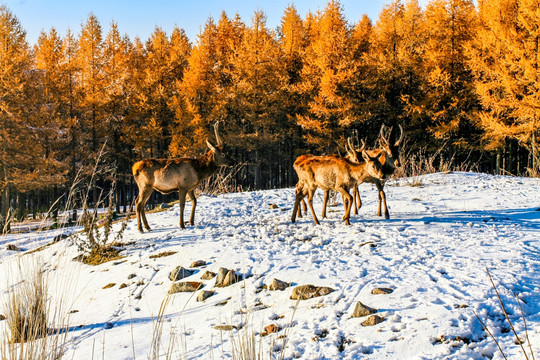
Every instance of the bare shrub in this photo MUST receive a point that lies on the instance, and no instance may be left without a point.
(518, 340)
(223, 181)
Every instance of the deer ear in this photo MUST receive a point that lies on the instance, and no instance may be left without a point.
(210, 146)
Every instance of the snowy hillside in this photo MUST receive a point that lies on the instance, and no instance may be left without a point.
(432, 253)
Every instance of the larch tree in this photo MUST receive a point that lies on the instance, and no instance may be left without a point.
(449, 96)
(258, 79)
(50, 89)
(198, 89)
(505, 59)
(18, 144)
(293, 40)
(327, 75)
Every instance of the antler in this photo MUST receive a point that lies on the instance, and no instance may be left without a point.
(218, 139)
(381, 134)
(400, 136)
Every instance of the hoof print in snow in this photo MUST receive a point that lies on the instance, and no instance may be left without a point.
(197, 263)
(205, 294)
(278, 285)
(227, 327)
(274, 206)
(179, 273)
(304, 292)
(208, 275)
(382, 291)
(226, 277)
(188, 286)
(363, 310)
(373, 320)
(270, 329)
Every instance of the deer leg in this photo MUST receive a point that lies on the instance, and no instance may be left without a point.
(347, 199)
(325, 201)
(300, 194)
(382, 198)
(191, 195)
(299, 189)
(182, 195)
(357, 201)
(310, 194)
(140, 203)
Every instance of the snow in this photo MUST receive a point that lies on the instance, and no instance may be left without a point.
(433, 253)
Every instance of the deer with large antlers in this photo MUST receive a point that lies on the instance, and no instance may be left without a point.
(389, 155)
(180, 174)
(332, 173)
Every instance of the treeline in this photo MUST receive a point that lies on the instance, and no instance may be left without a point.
(77, 109)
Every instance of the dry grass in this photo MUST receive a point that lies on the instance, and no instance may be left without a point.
(162, 254)
(29, 316)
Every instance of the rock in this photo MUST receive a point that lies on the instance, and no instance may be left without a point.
(188, 286)
(205, 294)
(383, 291)
(272, 328)
(123, 285)
(226, 327)
(304, 292)
(278, 285)
(108, 325)
(373, 320)
(274, 206)
(362, 310)
(208, 275)
(197, 263)
(131, 276)
(12, 247)
(2, 317)
(179, 273)
(62, 236)
(110, 285)
(226, 277)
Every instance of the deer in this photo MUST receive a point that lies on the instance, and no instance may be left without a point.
(352, 155)
(182, 174)
(332, 173)
(389, 155)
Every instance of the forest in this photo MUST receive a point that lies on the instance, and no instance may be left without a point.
(78, 109)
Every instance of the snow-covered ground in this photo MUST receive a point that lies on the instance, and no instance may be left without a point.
(433, 253)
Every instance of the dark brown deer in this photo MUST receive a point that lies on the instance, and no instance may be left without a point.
(389, 157)
(332, 173)
(180, 174)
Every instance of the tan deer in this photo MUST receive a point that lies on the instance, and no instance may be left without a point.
(332, 173)
(352, 155)
(179, 174)
(389, 157)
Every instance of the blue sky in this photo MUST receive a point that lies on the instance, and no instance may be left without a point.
(139, 18)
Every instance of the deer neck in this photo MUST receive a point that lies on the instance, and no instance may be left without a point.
(206, 165)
